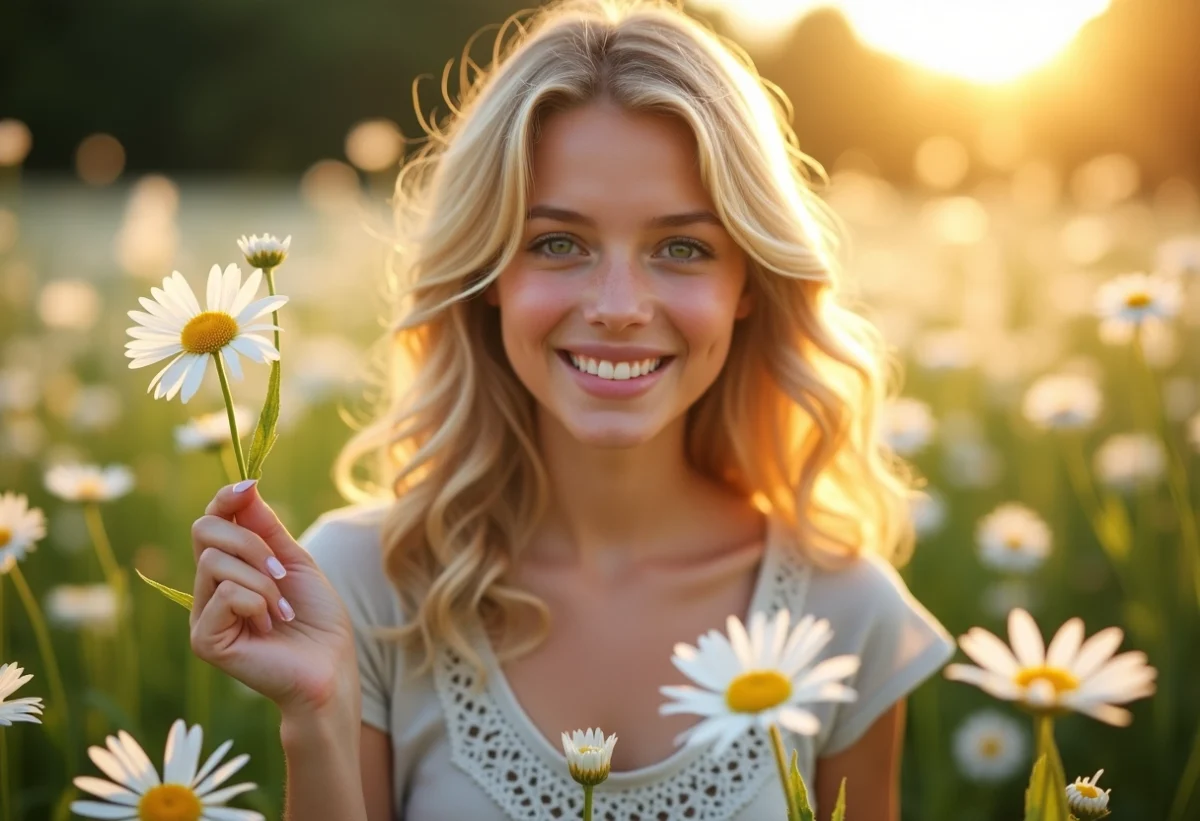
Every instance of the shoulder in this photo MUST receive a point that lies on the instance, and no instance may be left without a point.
(346, 545)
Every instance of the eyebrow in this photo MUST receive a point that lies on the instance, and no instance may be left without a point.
(668, 221)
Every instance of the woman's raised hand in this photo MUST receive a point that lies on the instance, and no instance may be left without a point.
(263, 612)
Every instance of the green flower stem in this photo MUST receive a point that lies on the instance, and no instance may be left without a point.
(115, 576)
(237, 442)
(781, 765)
(46, 648)
(269, 273)
(1080, 478)
(1043, 732)
(229, 462)
(587, 802)
(1177, 479)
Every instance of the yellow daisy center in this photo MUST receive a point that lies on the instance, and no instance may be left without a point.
(1087, 791)
(1058, 678)
(90, 490)
(1013, 541)
(5, 536)
(208, 332)
(170, 802)
(1138, 299)
(990, 747)
(587, 748)
(758, 690)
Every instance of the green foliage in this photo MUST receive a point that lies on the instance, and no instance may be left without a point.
(178, 596)
(268, 420)
(798, 794)
(1046, 797)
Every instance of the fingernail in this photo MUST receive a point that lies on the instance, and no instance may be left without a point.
(245, 484)
(286, 609)
(275, 568)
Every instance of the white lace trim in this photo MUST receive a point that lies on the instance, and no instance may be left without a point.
(487, 746)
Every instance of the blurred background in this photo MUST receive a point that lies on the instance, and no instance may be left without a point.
(996, 164)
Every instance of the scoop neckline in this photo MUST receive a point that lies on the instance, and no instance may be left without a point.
(519, 719)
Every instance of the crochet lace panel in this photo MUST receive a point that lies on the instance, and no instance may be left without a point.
(487, 746)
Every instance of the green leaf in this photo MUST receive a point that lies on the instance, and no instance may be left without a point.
(1035, 794)
(799, 791)
(839, 809)
(178, 596)
(264, 434)
(1046, 798)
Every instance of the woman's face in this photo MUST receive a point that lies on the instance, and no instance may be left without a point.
(617, 313)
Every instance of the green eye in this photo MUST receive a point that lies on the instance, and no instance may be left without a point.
(559, 246)
(680, 250)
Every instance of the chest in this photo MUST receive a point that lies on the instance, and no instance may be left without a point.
(609, 652)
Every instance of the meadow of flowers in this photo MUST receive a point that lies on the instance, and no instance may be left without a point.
(1049, 327)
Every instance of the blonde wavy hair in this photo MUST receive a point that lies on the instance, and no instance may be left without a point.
(791, 419)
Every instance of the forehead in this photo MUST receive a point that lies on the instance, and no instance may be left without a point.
(600, 157)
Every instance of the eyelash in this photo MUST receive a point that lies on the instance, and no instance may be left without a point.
(539, 246)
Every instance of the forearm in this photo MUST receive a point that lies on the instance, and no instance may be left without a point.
(324, 775)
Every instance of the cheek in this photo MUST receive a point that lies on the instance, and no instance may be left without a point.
(531, 306)
(704, 312)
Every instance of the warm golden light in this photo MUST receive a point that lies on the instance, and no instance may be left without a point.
(988, 41)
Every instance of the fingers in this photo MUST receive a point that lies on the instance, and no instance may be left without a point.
(216, 567)
(213, 531)
(248, 510)
(229, 605)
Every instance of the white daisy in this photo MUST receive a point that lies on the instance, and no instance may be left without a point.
(20, 528)
(1071, 675)
(761, 677)
(176, 327)
(1134, 298)
(89, 483)
(1013, 538)
(1062, 401)
(589, 755)
(1087, 801)
(990, 747)
(265, 251)
(211, 430)
(1126, 461)
(21, 709)
(87, 606)
(907, 425)
(183, 794)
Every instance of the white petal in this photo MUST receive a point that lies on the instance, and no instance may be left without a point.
(138, 758)
(106, 790)
(1026, 639)
(96, 809)
(139, 332)
(230, 814)
(154, 324)
(259, 307)
(172, 374)
(739, 640)
(232, 364)
(144, 359)
(247, 292)
(1065, 644)
(183, 292)
(832, 669)
(691, 701)
(1116, 716)
(248, 349)
(212, 761)
(221, 774)
(111, 766)
(799, 721)
(161, 312)
(223, 795)
(988, 651)
(229, 287)
(1095, 651)
(177, 769)
(213, 296)
(195, 375)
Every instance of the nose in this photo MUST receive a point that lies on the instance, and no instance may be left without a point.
(618, 295)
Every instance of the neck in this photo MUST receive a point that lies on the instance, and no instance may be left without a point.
(611, 506)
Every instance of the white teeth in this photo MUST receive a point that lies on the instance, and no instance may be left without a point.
(615, 370)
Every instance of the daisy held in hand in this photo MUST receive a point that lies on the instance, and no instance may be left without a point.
(175, 326)
(184, 793)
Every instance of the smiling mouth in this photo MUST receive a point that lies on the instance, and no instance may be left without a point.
(615, 371)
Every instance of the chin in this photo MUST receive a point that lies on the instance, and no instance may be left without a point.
(628, 433)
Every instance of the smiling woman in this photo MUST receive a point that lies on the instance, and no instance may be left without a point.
(627, 403)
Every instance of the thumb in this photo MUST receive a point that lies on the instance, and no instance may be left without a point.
(242, 504)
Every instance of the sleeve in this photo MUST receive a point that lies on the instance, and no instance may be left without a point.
(349, 555)
(899, 643)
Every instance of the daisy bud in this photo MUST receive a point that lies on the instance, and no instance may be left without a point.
(589, 755)
(1087, 801)
(265, 251)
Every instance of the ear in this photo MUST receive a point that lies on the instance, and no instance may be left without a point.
(492, 295)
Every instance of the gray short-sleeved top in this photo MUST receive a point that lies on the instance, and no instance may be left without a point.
(460, 754)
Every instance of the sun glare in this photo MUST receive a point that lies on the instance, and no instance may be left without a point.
(987, 41)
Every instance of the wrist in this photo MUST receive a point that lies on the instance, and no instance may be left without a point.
(336, 724)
